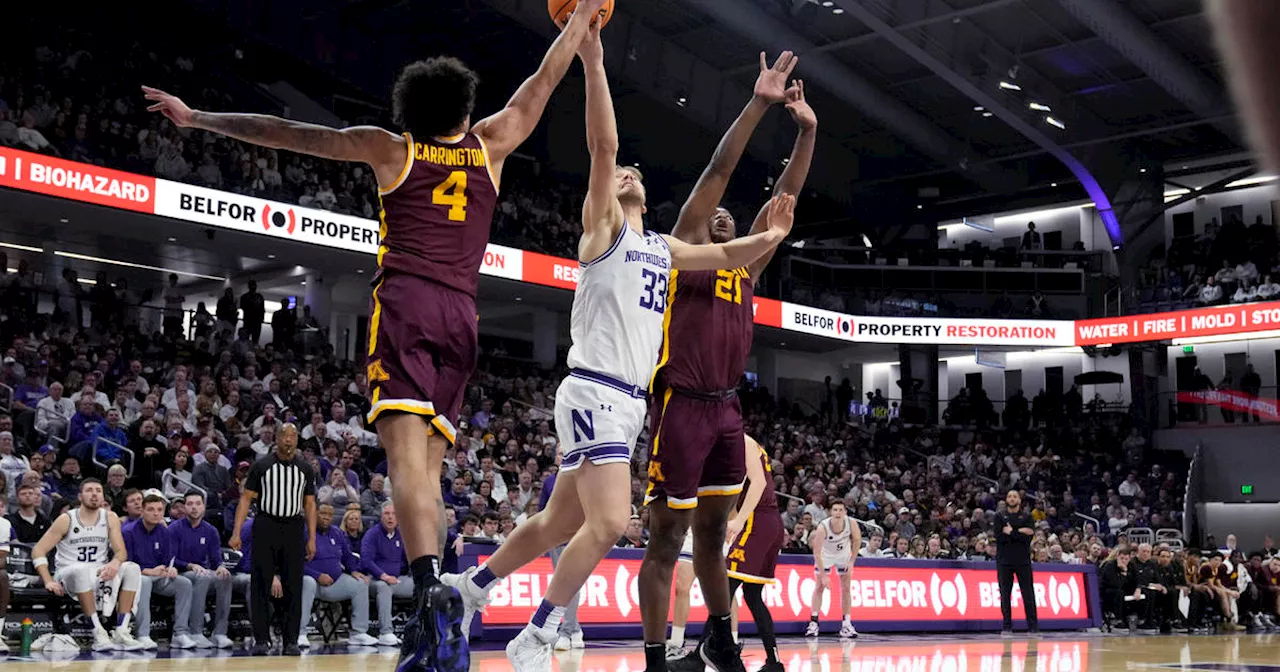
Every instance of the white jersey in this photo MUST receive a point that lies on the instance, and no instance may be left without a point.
(836, 545)
(618, 308)
(84, 543)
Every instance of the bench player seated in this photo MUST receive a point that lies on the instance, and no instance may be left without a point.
(84, 537)
(148, 543)
(833, 542)
(333, 576)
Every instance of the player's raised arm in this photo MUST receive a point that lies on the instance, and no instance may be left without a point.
(513, 124)
(770, 88)
(797, 170)
(739, 252)
(381, 149)
(602, 217)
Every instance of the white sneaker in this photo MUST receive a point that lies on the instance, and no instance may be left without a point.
(222, 642)
(575, 640)
(811, 630)
(528, 653)
(847, 631)
(202, 642)
(4, 648)
(148, 644)
(562, 643)
(303, 642)
(388, 639)
(674, 652)
(125, 641)
(473, 598)
(182, 642)
(361, 639)
(102, 641)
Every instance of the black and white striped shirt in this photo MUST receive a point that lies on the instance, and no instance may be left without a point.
(281, 486)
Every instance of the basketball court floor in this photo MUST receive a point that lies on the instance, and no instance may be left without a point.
(1066, 652)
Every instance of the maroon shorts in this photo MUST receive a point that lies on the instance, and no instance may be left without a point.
(753, 557)
(696, 449)
(422, 350)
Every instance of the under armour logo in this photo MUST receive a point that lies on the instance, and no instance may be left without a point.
(606, 407)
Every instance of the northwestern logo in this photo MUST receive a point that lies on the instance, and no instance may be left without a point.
(278, 219)
(584, 425)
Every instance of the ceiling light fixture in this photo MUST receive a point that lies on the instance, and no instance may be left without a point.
(1054, 122)
(919, 207)
(1009, 86)
(1053, 184)
(681, 101)
(130, 264)
(271, 256)
(837, 10)
(1142, 170)
(172, 239)
(986, 115)
(978, 108)
(27, 248)
(360, 271)
(827, 3)
(64, 220)
(86, 281)
(1040, 108)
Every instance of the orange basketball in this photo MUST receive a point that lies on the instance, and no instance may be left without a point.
(561, 9)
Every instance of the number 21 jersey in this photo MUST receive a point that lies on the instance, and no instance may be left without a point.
(708, 335)
(84, 543)
(436, 217)
(619, 306)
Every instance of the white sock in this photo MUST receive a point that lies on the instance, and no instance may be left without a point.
(546, 621)
(735, 637)
(677, 635)
(97, 624)
(124, 622)
(847, 621)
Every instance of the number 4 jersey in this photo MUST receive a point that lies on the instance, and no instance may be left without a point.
(708, 335)
(435, 219)
(84, 543)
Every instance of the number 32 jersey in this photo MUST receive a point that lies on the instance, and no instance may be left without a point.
(619, 306)
(435, 218)
(84, 543)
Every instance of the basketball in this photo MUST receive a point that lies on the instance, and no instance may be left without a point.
(561, 9)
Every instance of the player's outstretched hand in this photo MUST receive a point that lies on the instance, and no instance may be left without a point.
(170, 106)
(782, 214)
(771, 85)
(592, 50)
(799, 108)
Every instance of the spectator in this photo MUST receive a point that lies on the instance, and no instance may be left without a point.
(253, 311)
(337, 492)
(633, 537)
(373, 497)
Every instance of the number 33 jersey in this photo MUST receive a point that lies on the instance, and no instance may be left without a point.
(435, 218)
(619, 308)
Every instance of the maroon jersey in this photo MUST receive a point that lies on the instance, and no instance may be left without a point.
(436, 217)
(708, 331)
(768, 499)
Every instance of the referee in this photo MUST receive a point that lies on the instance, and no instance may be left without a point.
(285, 487)
(1014, 529)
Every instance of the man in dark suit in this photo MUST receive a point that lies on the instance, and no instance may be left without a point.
(1014, 529)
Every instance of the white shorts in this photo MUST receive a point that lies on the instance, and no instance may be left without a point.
(686, 549)
(596, 422)
(79, 577)
(840, 563)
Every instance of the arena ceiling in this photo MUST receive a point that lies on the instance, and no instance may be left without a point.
(896, 84)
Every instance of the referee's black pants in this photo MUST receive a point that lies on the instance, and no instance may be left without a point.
(278, 550)
(1005, 574)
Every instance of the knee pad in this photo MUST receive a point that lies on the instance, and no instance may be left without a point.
(130, 576)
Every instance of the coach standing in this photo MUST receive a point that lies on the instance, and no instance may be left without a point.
(285, 487)
(1013, 559)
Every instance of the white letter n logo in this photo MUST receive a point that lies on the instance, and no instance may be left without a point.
(584, 424)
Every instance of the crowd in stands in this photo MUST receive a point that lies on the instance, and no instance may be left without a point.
(1227, 263)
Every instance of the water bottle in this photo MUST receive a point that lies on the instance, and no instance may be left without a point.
(25, 648)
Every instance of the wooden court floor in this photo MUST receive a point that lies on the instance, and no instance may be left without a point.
(1067, 652)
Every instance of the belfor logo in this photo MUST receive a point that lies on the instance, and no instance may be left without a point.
(278, 219)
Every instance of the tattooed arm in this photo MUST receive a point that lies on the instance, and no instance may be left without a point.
(381, 149)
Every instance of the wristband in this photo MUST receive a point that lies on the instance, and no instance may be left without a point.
(40, 562)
